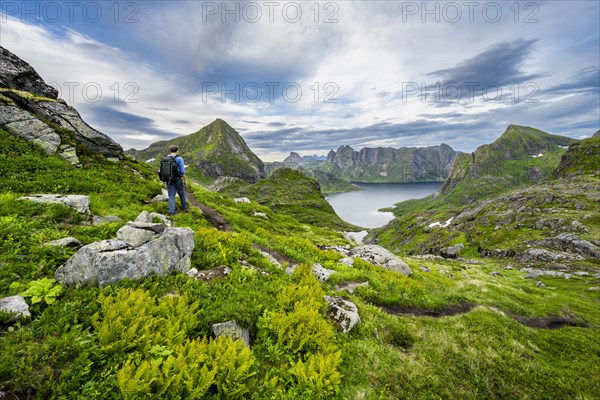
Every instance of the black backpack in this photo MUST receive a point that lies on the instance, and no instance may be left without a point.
(169, 170)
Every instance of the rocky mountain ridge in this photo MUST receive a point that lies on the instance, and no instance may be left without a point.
(390, 165)
(31, 109)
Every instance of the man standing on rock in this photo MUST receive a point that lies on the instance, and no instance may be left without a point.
(176, 181)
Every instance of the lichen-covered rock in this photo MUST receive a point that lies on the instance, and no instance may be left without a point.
(322, 273)
(26, 126)
(243, 200)
(15, 305)
(344, 312)
(78, 202)
(232, 330)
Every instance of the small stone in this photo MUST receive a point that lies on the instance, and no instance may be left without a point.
(349, 261)
(271, 259)
(289, 270)
(244, 200)
(260, 214)
(508, 267)
(212, 274)
(350, 287)
(322, 273)
(424, 268)
(233, 330)
(192, 272)
(65, 242)
(540, 284)
(594, 288)
(494, 273)
(100, 220)
(164, 196)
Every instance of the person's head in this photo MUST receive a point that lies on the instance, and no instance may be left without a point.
(174, 149)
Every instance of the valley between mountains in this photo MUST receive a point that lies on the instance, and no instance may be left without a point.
(489, 288)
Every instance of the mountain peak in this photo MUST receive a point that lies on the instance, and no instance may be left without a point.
(214, 151)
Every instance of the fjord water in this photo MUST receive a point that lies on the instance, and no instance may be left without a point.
(361, 207)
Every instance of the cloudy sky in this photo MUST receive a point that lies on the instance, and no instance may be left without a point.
(310, 76)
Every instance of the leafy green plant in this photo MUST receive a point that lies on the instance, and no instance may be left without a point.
(45, 289)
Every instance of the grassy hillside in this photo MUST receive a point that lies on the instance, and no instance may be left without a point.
(290, 192)
(152, 338)
(521, 156)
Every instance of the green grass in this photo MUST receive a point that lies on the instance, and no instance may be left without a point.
(63, 350)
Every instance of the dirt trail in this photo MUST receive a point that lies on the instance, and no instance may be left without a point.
(217, 221)
(209, 213)
(549, 322)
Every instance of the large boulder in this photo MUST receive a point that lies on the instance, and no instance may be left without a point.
(148, 253)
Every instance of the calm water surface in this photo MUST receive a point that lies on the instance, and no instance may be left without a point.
(360, 208)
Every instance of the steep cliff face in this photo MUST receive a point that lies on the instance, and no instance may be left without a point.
(31, 109)
(391, 165)
(214, 151)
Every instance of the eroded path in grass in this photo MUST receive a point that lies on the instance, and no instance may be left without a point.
(211, 215)
(549, 322)
(218, 222)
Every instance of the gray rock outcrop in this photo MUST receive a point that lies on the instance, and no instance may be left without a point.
(142, 251)
(78, 202)
(373, 254)
(232, 330)
(380, 256)
(24, 125)
(17, 74)
(27, 104)
(15, 305)
(452, 251)
(343, 312)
